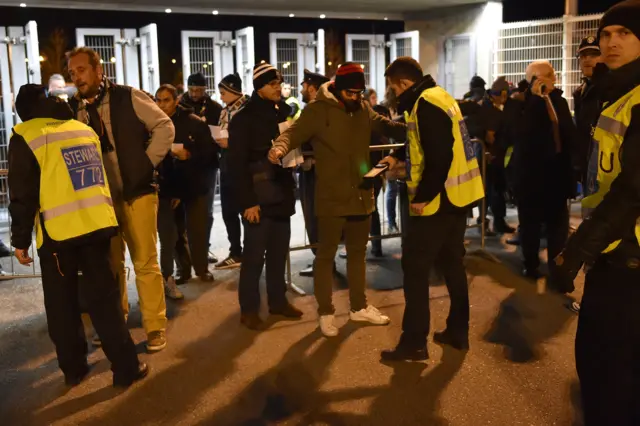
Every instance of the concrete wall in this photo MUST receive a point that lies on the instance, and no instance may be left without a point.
(481, 20)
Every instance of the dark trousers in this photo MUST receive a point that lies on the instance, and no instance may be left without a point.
(190, 218)
(608, 346)
(356, 234)
(403, 201)
(376, 228)
(230, 215)
(496, 186)
(307, 182)
(210, 200)
(100, 296)
(533, 212)
(267, 243)
(430, 240)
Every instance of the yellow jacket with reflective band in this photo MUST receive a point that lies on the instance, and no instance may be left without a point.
(74, 193)
(612, 126)
(464, 181)
(294, 101)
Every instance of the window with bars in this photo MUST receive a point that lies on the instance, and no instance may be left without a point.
(361, 50)
(287, 62)
(201, 59)
(105, 46)
(403, 47)
(4, 163)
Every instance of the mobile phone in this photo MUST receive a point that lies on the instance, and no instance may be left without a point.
(377, 170)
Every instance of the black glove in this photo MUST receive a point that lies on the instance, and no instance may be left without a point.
(565, 271)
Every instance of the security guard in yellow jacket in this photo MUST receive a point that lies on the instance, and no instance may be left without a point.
(443, 179)
(608, 241)
(57, 180)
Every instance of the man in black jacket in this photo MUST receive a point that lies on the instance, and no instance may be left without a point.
(56, 179)
(265, 195)
(184, 185)
(543, 181)
(135, 136)
(587, 107)
(607, 348)
(198, 100)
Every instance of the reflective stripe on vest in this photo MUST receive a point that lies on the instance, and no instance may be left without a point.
(609, 136)
(507, 156)
(294, 101)
(464, 180)
(74, 193)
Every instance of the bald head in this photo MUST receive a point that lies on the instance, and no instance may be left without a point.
(541, 69)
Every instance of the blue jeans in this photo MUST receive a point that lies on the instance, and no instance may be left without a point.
(391, 197)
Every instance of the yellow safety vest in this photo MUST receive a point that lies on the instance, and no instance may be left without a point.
(294, 101)
(74, 193)
(507, 156)
(610, 131)
(464, 182)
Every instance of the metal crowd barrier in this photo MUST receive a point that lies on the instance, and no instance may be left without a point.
(482, 225)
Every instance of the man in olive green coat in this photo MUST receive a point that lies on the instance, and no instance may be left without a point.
(339, 126)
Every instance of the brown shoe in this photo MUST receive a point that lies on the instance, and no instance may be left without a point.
(252, 321)
(287, 311)
(156, 341)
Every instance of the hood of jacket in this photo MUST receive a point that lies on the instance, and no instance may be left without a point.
(328, 94)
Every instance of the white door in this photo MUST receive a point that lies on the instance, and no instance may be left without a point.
(33, 52)
(369, 51)
(149, 61)
(245, 57)
(105, 42)
(209, 53)
(6, 98)
(405, 44)
(320, 53)
(291, 54)
(459, 64)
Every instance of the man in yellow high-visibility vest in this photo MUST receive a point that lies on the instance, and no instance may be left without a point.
(443, 180)
(57, 180)
(608, 241)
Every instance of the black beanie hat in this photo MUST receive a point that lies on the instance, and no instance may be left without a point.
(626, 14)
(477, 82)
(232, 83)
(264, 74)
(197, 80)
(350, 76)
(29, 100)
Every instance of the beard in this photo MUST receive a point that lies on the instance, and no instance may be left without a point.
(351, 106)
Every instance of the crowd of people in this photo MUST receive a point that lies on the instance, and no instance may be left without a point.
(112, 167)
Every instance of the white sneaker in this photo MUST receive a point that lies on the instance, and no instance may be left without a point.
(171, 289)
(327, 327)
(371, 315)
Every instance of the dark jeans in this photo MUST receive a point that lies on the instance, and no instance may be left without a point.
(100, 296)
(403, 201)
(533, 212)
(356, 233)
(496, 186)
(307, 182)
(608, 346)
(189, 216)
(230, 215)
(210, 200)
(376, 228)
(391, 197)
(267, 240)
(431, 240)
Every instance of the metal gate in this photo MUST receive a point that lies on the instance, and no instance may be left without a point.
(126, 57)
(209, 53)
(555, 40)
(292, 53)
(459, 64)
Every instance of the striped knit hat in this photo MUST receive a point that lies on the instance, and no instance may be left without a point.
(264, 74)
(350, 76)
(232, 83)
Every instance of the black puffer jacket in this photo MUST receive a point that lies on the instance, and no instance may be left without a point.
(204, 107)
(186, 179)
(251, 133)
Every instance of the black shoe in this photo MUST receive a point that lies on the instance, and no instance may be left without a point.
(183, 279)
(287, 311)
(503, 227)
(308, 272)
(533, 274)
(252, 321)
(76, 379)
(405, 353)
(460, 342)
(207, 277)
(4, 250)
(212, 258)
(125, 382)
(515, 241)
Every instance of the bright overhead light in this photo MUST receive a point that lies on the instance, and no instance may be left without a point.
(263, 62)
(167, 10)
(292, 15)
(42, 58)
(386, 19)
(215, 12)
(173, 61)
(101, 61)
(204, 66)
(113, 60)
(329, 63)
(26, 59)
(323, 16)
(23, 5)
(362, 66)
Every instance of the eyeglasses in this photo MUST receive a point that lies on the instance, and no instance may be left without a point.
(355, 92)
